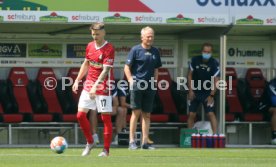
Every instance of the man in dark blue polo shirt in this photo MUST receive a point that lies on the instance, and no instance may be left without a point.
(271, 102)
(142, 66)
(202, 77)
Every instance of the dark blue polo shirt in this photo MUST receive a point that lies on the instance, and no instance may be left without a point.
(272, 92)
(143, 62)
(203, 71)
(272, 86)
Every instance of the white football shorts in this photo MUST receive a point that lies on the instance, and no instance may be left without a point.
(102, 103)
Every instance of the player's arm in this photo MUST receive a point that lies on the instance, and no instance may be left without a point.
(81, 74)
(191, 94)
(214, 88)
(215, 80)
(128, 73)
(156, 75)
(190, 74)
(102, 76)
(128, 65)
(210, 98)
(83, 70)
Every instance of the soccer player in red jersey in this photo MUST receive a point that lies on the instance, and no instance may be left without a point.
(96, 94)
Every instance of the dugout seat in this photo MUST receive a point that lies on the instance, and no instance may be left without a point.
(157, 113)
(180, 100)
(68, 99)
(256, 84)
(19, 81)
(10, 118)
(73, 73)
(47, 84)
(165, 95)
(8, 109)
(234, 106)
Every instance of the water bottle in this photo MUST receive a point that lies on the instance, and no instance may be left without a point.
(221, 141)
(203, 141)
(209, 141)
(193, 140)
(215, 141)
(197, 139)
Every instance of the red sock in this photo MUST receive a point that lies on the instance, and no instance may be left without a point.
(85, 126)
(107, 131)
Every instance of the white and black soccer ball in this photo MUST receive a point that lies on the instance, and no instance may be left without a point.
(58, 144)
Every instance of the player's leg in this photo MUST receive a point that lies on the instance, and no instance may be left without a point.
(135, 103)
(272, 111)
(122, 94)
(119, 120)
(84, 124)
(213, 120)
(145, 130)
(93, 118)
(132, 128)
(193, 105)
(115, 102)
(147, 106)
(149, 141)
(118, 126)
(104, 106)
(115, 112)
(211, 115)
(107, 133)
(85, 103)
(124, 119)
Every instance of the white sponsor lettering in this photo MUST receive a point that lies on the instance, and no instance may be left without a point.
(19, 72)
(47, 73)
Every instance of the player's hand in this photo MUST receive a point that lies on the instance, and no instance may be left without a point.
(130, 81)
(210, 101)
(92, 93)
(191, 95)
(75, 87)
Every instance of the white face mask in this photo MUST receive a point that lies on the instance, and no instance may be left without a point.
(206, 55)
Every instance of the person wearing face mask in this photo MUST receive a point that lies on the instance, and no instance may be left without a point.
(202, 77)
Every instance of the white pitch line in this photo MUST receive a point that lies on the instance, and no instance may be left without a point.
(39, 155)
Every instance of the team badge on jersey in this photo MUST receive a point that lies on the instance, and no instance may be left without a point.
(148, 53)
(101, 57)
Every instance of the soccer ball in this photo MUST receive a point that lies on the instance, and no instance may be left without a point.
(58, 144)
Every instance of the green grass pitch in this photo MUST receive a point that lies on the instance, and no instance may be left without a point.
(122, 157)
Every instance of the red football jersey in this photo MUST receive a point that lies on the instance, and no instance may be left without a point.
(99, 57)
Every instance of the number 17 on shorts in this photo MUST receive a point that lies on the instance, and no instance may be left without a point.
(104, 103)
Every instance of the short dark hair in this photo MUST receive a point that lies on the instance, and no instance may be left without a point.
(206, 45)
(97, 26)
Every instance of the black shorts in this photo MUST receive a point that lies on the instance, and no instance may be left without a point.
(142, 99)
(119, 92)
(114, 92)
(201, 98)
